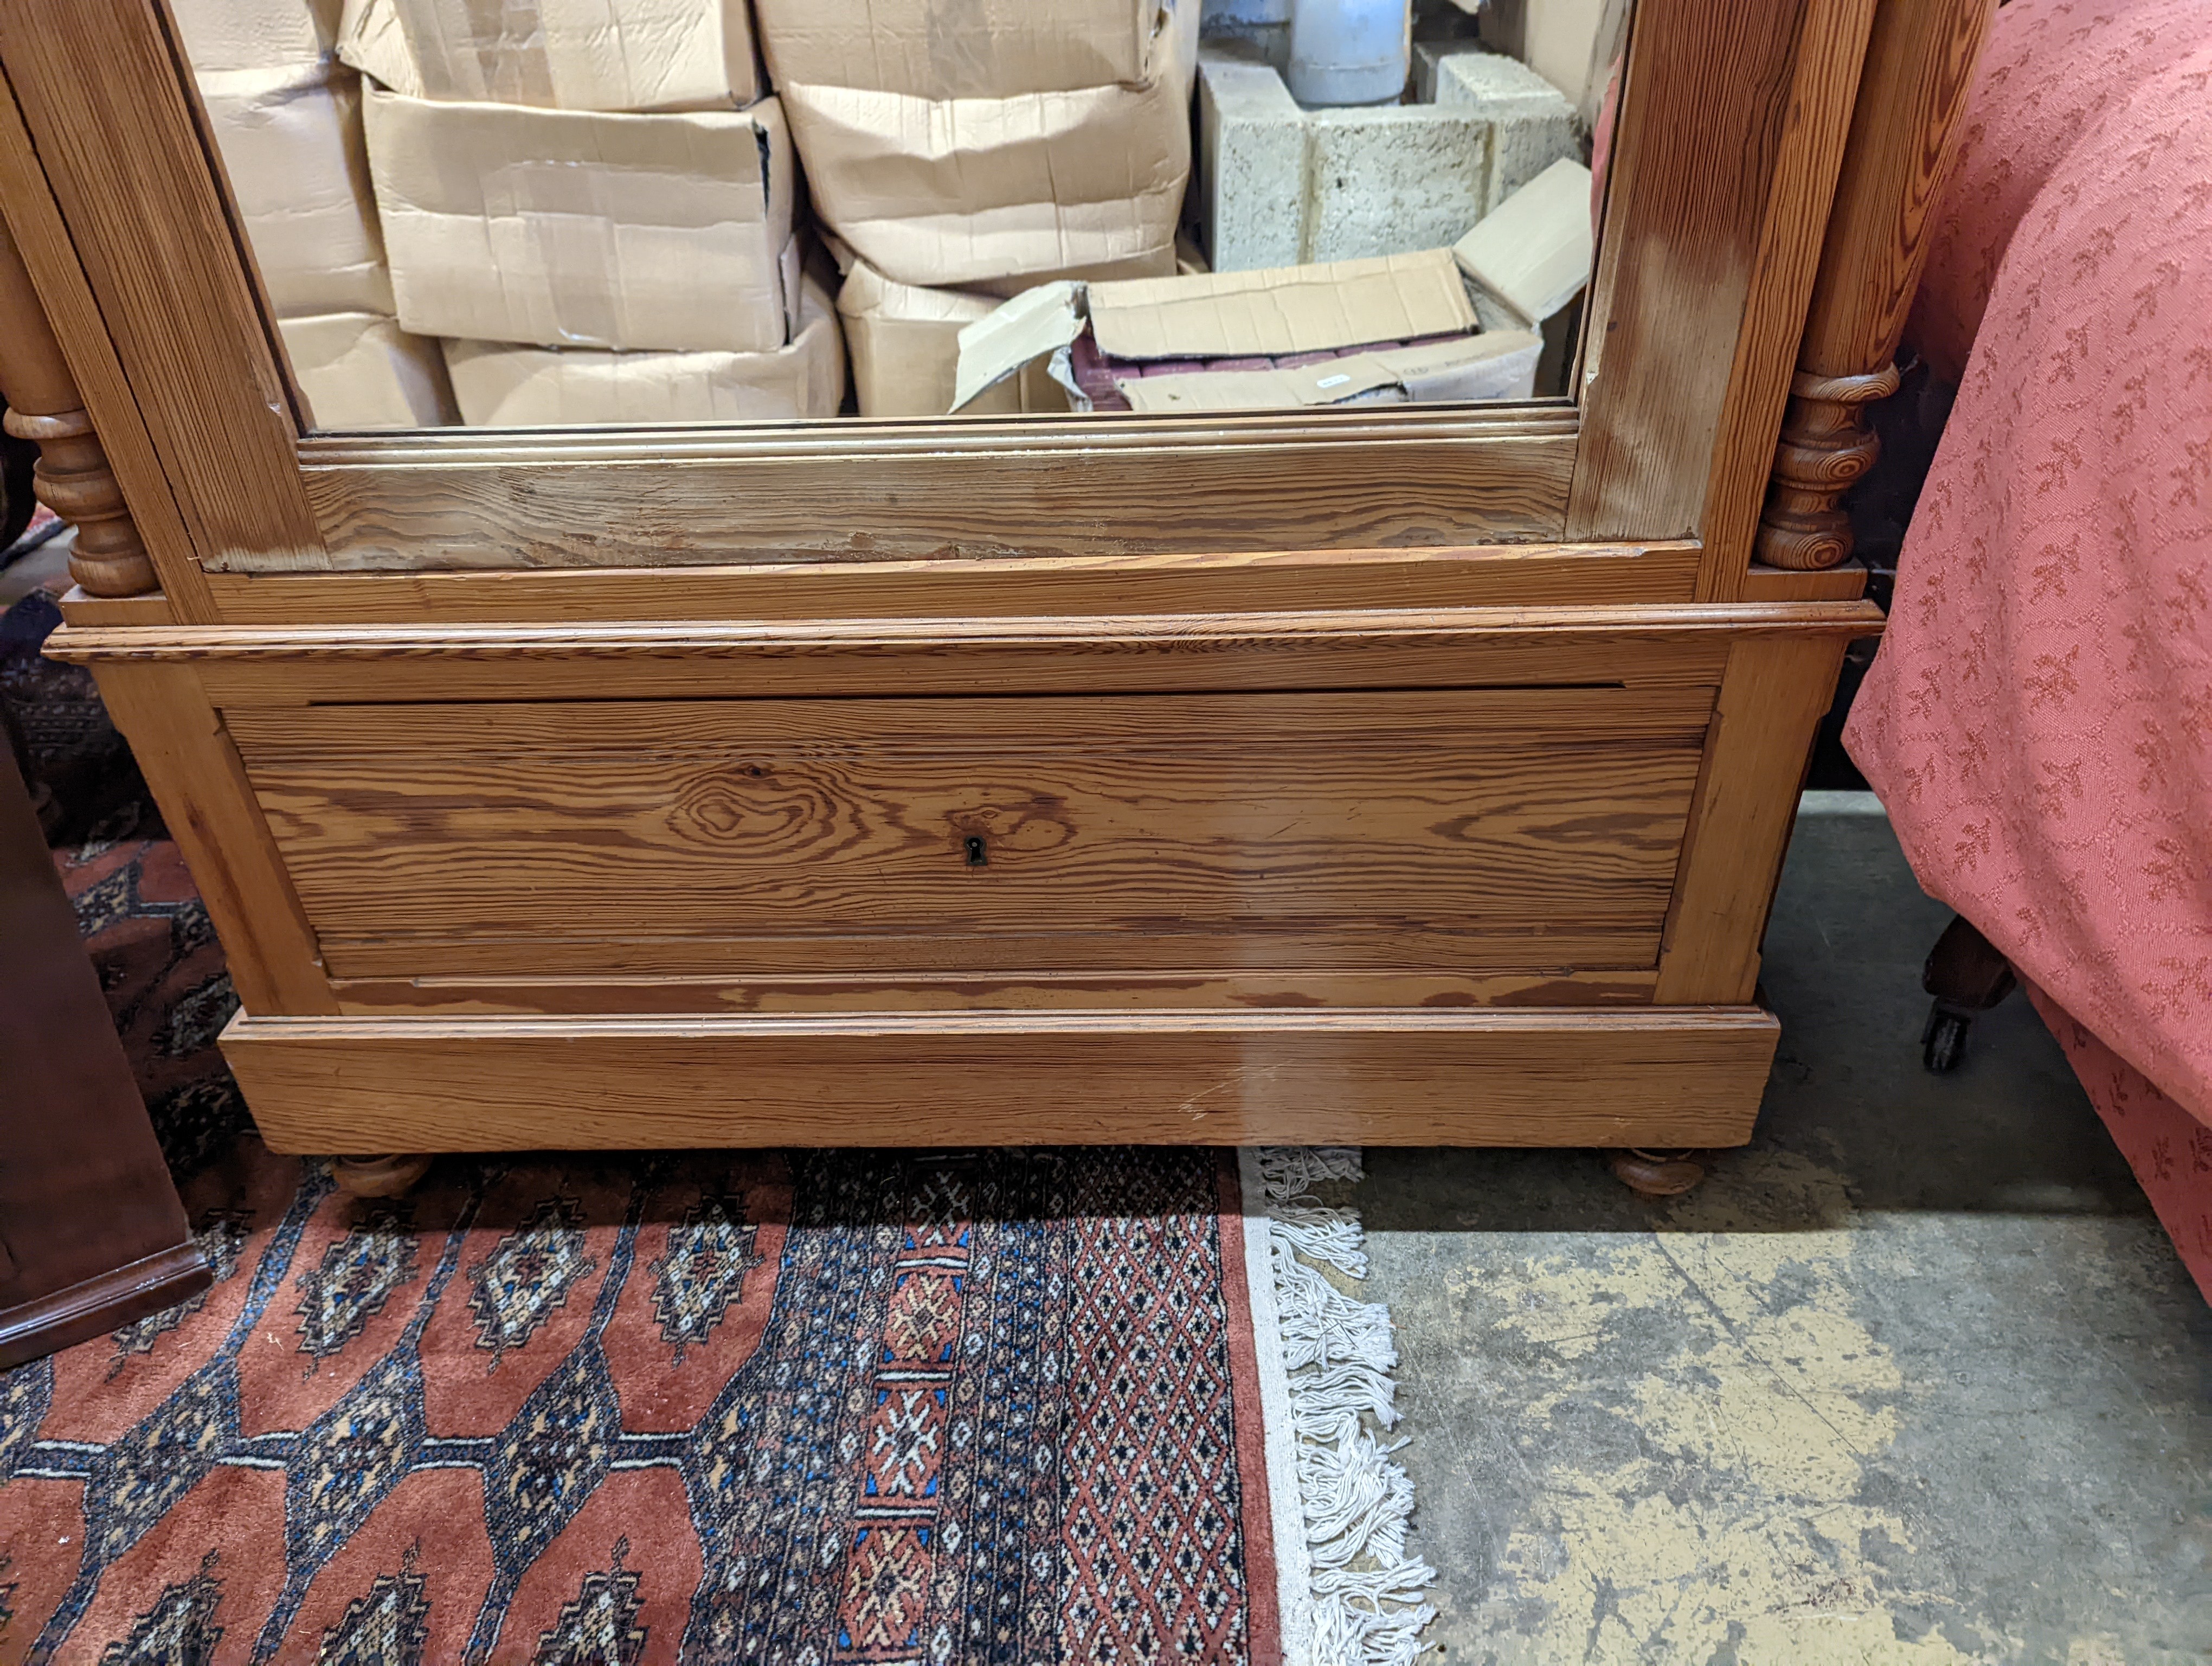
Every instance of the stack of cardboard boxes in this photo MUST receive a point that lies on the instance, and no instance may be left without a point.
(960, 154)
(536, 212)
(287, 115)
(596, 208)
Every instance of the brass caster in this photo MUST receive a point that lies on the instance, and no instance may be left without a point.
(378, 1177)
(1659, 1173)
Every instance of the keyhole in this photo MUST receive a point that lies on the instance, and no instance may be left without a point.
(979, 855)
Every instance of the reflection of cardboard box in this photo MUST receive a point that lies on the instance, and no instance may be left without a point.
(941, 191)
(502, 387)
(567, 228)
(1530, 257)
(255, 34)
(559, 54)
(961, 49)
(361, 371)
(904, 342)
(1393, 329)
(291, 145)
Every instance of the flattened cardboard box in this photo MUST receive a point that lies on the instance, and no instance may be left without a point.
(291, 143)
(1215, 315)
(603, 55)
(961, 49)
(360, 371)
(255, 34)
(564, 229)
(501, 386)
(951, 193)
(904, 344)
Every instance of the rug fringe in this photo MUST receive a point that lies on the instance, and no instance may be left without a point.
(1369, 1596)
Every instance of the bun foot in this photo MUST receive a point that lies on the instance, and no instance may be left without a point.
(1658, 1173)
(378, 1177)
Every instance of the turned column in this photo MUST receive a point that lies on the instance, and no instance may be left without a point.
(1904, 131)
(73, 479)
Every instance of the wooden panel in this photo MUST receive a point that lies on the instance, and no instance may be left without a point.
(1830, 49)
(35, 222)
(1637, 646)
(1107, 486)
(1705, 101)
(197, 780)
(1520, 575)
(1780, 584)
(1775, 697)
(1474, 1077)
(150, 609)
(872, 991)
(109, 107)
(1303, 818)
(1531, 943)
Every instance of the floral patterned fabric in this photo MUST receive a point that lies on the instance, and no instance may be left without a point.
(2039, 719)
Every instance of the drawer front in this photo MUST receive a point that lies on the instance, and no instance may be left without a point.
(1446, 832)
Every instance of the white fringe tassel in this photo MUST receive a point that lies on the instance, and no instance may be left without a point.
(1369, 1595)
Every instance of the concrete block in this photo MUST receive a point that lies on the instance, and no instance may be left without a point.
(1391, 178)
(1427, 56)
(1532, 125)
(1251, 162)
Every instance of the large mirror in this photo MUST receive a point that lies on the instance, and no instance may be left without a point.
(558, 212)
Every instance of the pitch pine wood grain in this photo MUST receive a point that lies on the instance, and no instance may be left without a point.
(151, 609)
(1905, 135)
(600, 995)
(1773, 699)
(1831, 50)
(1526, 574)
(35, 222)
(1432, 815)
(1473, 1077)
(1635, 647)
(197, 780)
(1780, 584)
(1699, 160)
(114, 119)
(939, 492)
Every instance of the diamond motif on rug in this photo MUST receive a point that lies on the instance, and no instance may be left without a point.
(527, 1278)
(179, 1630)
(703, 1275)
(350, 1457)
(389, 1626)
(135, 1482)
(886, 1594)
(355, 1277)
(552, 1456)
(599, 1627)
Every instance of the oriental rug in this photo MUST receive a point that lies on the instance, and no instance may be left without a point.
(1003, 1406)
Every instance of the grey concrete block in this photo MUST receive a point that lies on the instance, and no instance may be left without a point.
(1427, 56)
(1251, 162)
(1532, 123)
(1393, 178)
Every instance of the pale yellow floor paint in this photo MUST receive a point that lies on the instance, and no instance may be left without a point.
(1786, 1403)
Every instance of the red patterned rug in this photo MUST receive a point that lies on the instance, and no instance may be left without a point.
(808, 1409)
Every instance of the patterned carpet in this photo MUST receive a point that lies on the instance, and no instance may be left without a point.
(832, 1408)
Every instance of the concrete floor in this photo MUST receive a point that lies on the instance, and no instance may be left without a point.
(1914, 1378)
